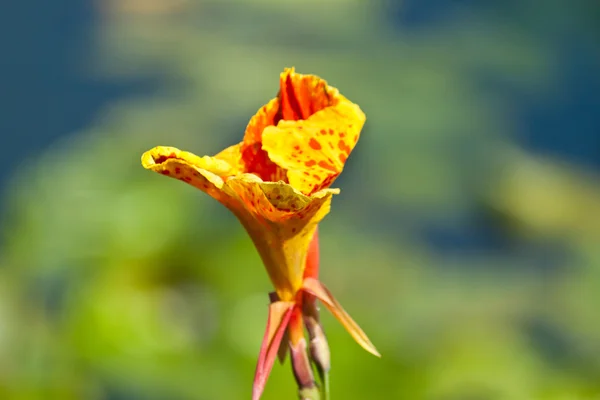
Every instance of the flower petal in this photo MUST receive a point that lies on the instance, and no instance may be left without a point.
(266, 116)
(254, 158)
(277, 322)
(205, 173)
(281, 222)
(319, 290)
(314, 151)
(279, 219)
(232, 156)
(303, 95)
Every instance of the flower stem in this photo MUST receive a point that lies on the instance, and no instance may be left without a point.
(309, 394)
(324, 375)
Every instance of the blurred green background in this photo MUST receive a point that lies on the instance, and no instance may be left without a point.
(465, 240)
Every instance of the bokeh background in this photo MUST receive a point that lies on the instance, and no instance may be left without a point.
(466, 239)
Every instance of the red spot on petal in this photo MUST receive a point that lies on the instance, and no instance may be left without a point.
(331, 132)
(343, 158)
(317, 177)
(165, 172)
(177, 170)
(323, 132)
(310, 163)
(306, 172)
(341, 134)
(325, 165)
(314, 144)
(296, 147)
(344, 147)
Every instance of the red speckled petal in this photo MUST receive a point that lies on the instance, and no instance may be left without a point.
(279, 219)
(281, 222)
(314, 151)
(319, 290)
(205, 173)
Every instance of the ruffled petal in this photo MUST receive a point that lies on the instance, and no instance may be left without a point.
(319, 290)
(281, 222)
(205, 173)
(254, 159)
(304, 102)
(314, 151)
(303, 95)
(268, 115)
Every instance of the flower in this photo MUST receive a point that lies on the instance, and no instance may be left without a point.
(276, 182)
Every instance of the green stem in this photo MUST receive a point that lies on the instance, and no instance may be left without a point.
(309, 394)
(325, 384)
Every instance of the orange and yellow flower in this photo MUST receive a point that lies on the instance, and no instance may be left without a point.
(276, 182)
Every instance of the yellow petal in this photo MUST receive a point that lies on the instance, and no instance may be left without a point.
(314, 151)
(319, 290)
(205, 173)
(275, 180)
(279, 219)
(281, 222)
(232, 156)
(309, 108)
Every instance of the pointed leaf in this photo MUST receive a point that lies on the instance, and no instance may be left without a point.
(279, 317)
(283, 348)
(319, 290)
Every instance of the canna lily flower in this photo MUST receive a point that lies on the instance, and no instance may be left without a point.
(276, 182)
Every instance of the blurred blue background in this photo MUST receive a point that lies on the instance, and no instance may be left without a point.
(465, 240)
